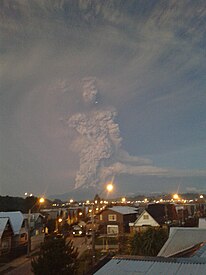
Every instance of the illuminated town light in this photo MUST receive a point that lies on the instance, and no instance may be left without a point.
(176, 197)
(123, 200)
(60, 220)
(71, 201)
(110, 187)
(201, 196)
(41, 200)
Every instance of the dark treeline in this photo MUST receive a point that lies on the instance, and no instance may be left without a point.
(8, 203)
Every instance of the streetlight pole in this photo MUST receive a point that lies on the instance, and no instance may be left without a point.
(93, 237)
(40, 201)
(109, 188)
(29, 233)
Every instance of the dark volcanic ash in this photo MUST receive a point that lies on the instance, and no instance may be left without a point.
(99, 142)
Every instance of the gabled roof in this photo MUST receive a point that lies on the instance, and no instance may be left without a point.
(131, 265)
(16, 218)
(124, 210)
(34, 216)
(150, 221)
(181, 239)
(3, 223)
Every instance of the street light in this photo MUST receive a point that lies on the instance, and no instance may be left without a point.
(109, 188)
(176, 197)
(40, 201)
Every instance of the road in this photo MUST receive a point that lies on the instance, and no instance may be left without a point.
(82, 243)
(23, 267)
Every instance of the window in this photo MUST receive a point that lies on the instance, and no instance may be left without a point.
(5, 246)
(145, 217)
(112, 217)
(112, 229)
(100, 217)
(23, 236)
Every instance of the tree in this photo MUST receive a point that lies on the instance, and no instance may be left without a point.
(56, 257)
(148, 243)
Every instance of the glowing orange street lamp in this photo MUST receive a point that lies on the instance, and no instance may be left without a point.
(110, 187)
(176, 197)
(41, 200)
(123, 200)
(60, 220)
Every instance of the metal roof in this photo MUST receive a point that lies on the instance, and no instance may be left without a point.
(201, 252)
(3, 223)
(124, 209)
(131, 266)
(182, 238)
(16, 218)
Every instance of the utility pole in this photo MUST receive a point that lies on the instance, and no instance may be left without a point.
(93, 237)
(29, 233)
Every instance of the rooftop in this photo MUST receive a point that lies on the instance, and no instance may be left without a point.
(124, 209)
(3, 223)
(182, 238)
(152, 265)
(16, 218)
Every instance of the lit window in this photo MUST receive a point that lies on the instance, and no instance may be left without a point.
(100, 217)
(112, 229)
(145, 217)
(112, 217)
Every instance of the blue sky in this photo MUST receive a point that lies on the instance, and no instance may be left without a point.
(148, 59)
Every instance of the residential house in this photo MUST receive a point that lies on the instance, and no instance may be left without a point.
(19, 227)
(115, 220)
(143, 222)
(163, 213)
(36, 223)
(6, 234)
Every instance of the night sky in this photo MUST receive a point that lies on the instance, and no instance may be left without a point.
(147, 61)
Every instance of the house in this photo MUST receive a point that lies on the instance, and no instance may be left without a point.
(164, 213)
(115, 220)
(19, 227)
(6, 234)
(144, 221)
(36, 223)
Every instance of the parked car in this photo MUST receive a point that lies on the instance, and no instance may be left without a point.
(77, 231)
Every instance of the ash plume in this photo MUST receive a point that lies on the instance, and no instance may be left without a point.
(99, 142)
